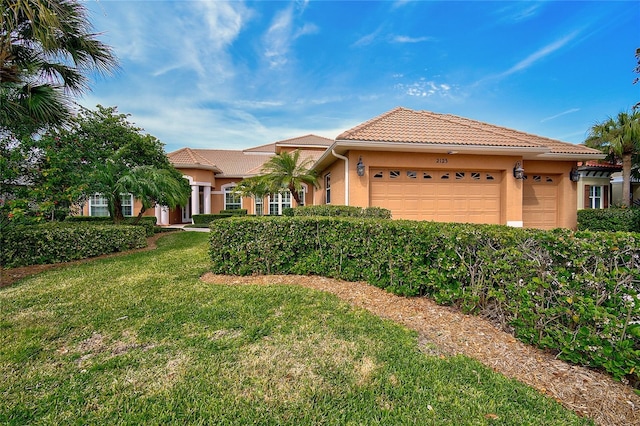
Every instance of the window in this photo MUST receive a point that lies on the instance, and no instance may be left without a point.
(459, 175)
(278, 202)
(327, 188)
(232, 200)
(301, 196)
(412, 174)
(595, 197)
(127, 204)
(98, 205)
(378, 175)
(394, 174)
(259, 206)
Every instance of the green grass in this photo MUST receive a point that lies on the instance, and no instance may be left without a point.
(139, 339)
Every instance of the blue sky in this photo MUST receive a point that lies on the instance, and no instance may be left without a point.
(232, 75)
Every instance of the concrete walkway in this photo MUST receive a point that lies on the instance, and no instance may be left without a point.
(182, 226)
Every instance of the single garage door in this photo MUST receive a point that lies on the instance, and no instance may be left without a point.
(540, 201)
(442, 196)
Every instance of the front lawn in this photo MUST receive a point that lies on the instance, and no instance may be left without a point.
(139, 339)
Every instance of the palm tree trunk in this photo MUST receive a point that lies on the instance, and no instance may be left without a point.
(626, 180)
(295, 194)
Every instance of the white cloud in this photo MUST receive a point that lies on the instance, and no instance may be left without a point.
(407, 39)
(540, 54)
(281, 34)
(553, 117)
(425, 88)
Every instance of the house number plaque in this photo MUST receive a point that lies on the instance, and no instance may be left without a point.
(441, 160)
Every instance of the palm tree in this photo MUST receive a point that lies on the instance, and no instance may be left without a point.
(285, 171)
(151, 185)
(46, 50)
(619, 138)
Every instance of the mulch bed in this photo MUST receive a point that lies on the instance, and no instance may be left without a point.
(587, 392)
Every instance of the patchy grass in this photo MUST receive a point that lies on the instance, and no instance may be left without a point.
(140, 340)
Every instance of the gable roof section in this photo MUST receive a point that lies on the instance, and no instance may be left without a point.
(189, 158)
(307, 141)
(233, 163)
(409, 130)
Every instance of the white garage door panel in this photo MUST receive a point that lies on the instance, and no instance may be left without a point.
(465, 196)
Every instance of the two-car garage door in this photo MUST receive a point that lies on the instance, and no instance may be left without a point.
(442, 196)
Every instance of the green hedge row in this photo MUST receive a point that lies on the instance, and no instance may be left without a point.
(339, 211)
(148, 222)
(613, 220)
(573, 293)
(56, 242)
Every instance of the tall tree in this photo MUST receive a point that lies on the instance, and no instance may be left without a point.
(287, 171)
(47, 49)
(619, 138)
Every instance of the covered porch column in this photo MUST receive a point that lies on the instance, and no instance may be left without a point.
(195, 199)
(207, 199)
(162, 215)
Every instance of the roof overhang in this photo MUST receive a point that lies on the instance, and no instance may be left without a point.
(526, 152)
(196, 166)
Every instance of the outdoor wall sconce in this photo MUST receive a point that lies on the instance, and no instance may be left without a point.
(518, 171)
(360, 167)
(574, 175)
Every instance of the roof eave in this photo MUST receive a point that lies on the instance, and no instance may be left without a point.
(196, 166)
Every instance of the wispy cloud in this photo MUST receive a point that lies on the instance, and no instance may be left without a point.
(407, 39)
(540, 54)
(553, 117)
(425, 88)
(367, 39)
(281, 34)
(516, 12)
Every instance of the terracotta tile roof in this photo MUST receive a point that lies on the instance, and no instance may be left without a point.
(599, 164)
(423, 127)
(268, 148)
(307, 140)
(186, 157)
(304, 155)
(233, 163)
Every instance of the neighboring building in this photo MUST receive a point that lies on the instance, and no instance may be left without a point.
(594, 186)
(616, 190)
(427, 166)
(418, 164)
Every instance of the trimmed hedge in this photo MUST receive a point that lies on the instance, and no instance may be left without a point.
(574, 293)
(56, 242)
(612, 219)
(148, 222)
(339, 211)
(205, 219)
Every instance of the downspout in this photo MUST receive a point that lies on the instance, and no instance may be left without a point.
(346, 175)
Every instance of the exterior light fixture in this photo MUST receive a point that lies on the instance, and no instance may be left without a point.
(574, 175)
(518, 171)
(360, 167)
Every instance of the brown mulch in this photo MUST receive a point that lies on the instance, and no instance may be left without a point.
(587, 392)
(10, 276)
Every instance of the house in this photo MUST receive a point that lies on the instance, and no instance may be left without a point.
(594, 186)
(418, 164)
(616, 190)
(441, 167)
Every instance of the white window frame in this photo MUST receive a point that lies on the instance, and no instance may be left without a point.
(327, 188)
(229, 190)
(596, 201)
(97, 201)
(258, 202)
(279, 202)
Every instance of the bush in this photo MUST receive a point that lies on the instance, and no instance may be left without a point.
(56, 242)
(573, 293)
(613, 219)
(205, 219)
(339, 211)
(239, 212)
(147, 222)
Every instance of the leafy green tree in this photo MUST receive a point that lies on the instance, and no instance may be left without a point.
(124, 160)
(619, 138)
(287, 171)
(256, 186)
(47, 50)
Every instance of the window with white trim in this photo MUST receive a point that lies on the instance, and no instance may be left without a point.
(258, 206)
(595, 197)
(327, 188)
(99, 205)
(232, 199)
(278, 202)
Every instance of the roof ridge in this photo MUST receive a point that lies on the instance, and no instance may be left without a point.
(371, 121)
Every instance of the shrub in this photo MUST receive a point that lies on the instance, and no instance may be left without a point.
(147, 222)
(574, 293)
(613, 219)
(56, 242)
(205, 219)
(239, 212)
(343, 211)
